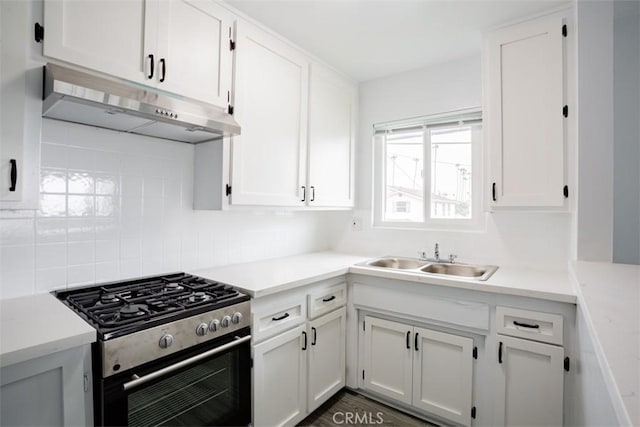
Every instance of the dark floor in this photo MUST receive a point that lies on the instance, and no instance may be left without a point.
(351, 409)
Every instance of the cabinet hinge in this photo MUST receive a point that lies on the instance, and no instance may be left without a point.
(230, 109)
(232, 45)
(227, 190)
(564, 30)
(565, 191)
(565, 111)
(567, 364)
(38, 32)
(473, 412)
(475, 352)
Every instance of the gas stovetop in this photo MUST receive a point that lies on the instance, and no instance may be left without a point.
(121, 308)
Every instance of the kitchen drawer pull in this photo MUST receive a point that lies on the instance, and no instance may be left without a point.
(150, 76)
(136, 381)
(304, 334)
(500, 352)
(14, 174)
(313, 193)
(304, 193)
(408, 342)
(284, 316)
(331, 298)
(415, 342)
(526, 325)
(164, 69)
(315, 336)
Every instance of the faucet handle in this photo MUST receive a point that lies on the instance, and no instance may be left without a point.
(422, 255)
(452, 258)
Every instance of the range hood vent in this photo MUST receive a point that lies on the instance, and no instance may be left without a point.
(112, 103)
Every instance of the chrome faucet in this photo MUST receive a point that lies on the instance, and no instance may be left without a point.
(436, 255)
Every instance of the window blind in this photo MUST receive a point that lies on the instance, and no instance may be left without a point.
(454, 118)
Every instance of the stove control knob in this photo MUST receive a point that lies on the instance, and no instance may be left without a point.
(202, 329)
(166, 341)
(226, 321)
(214, 325)
(237, 317)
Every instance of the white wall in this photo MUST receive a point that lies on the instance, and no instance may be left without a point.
(116, 205)
(595, 130)
(626, 134)
(510, 238)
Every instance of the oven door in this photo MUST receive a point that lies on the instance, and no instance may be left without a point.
(207, 385)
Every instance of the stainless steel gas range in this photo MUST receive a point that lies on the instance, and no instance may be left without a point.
(171, 350)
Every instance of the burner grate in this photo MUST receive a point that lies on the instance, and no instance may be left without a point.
(123, 304)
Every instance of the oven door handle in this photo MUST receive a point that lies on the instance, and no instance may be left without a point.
(137, 381)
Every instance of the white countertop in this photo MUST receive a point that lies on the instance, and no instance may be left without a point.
(270, 276)
(25, 336)
(609, 295)
(263, 278)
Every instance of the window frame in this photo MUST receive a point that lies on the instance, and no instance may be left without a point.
(476, 222)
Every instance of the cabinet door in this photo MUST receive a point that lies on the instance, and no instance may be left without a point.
(332, 113)
(113, 38)
(529, 383)
(442, 374)
(271, 94)
(525, 113)
(387, 358)
(194, 51)
(280, 381)
(327, 339)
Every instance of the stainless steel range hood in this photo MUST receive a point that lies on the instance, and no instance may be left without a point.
(111, 103)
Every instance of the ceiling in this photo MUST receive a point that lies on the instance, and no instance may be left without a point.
(368, 39)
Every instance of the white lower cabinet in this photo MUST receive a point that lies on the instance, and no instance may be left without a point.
(280, 379)
(429, 370)
(298, 370)
(529, 383)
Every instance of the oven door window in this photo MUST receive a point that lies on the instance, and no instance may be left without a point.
(198, 396)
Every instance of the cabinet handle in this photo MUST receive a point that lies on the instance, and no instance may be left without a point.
(313, 193)
(408, 343)
(493, 191)
(14, 174)
(150, 76)
(415, 342)
(284, 316)
(526, 325)
(331, 298)
(304, 334)
(304, 193)
(500, 352)
(315, 338)
(164, 69)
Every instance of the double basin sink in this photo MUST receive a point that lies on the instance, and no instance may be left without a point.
(458, 270)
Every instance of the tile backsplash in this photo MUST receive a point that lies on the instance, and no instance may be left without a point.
(115, 205)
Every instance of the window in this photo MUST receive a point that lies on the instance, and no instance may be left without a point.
(426, 171)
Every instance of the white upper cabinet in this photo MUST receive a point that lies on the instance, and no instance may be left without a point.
(179, 46)
(332, 119)
(113, 38)
(271, 101)
(524, 113)
(194, 43)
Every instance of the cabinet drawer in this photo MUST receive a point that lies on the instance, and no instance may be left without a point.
(278, 316)
(532, 325)
(325, 300)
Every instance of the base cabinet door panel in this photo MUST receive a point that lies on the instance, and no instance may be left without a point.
(387, 358)
(327, 337)
(442, 374)
(280, 379)
(529, 383)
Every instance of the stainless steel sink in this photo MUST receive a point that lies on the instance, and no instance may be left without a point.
(397, 263)
(467, 271)
(479, 272)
